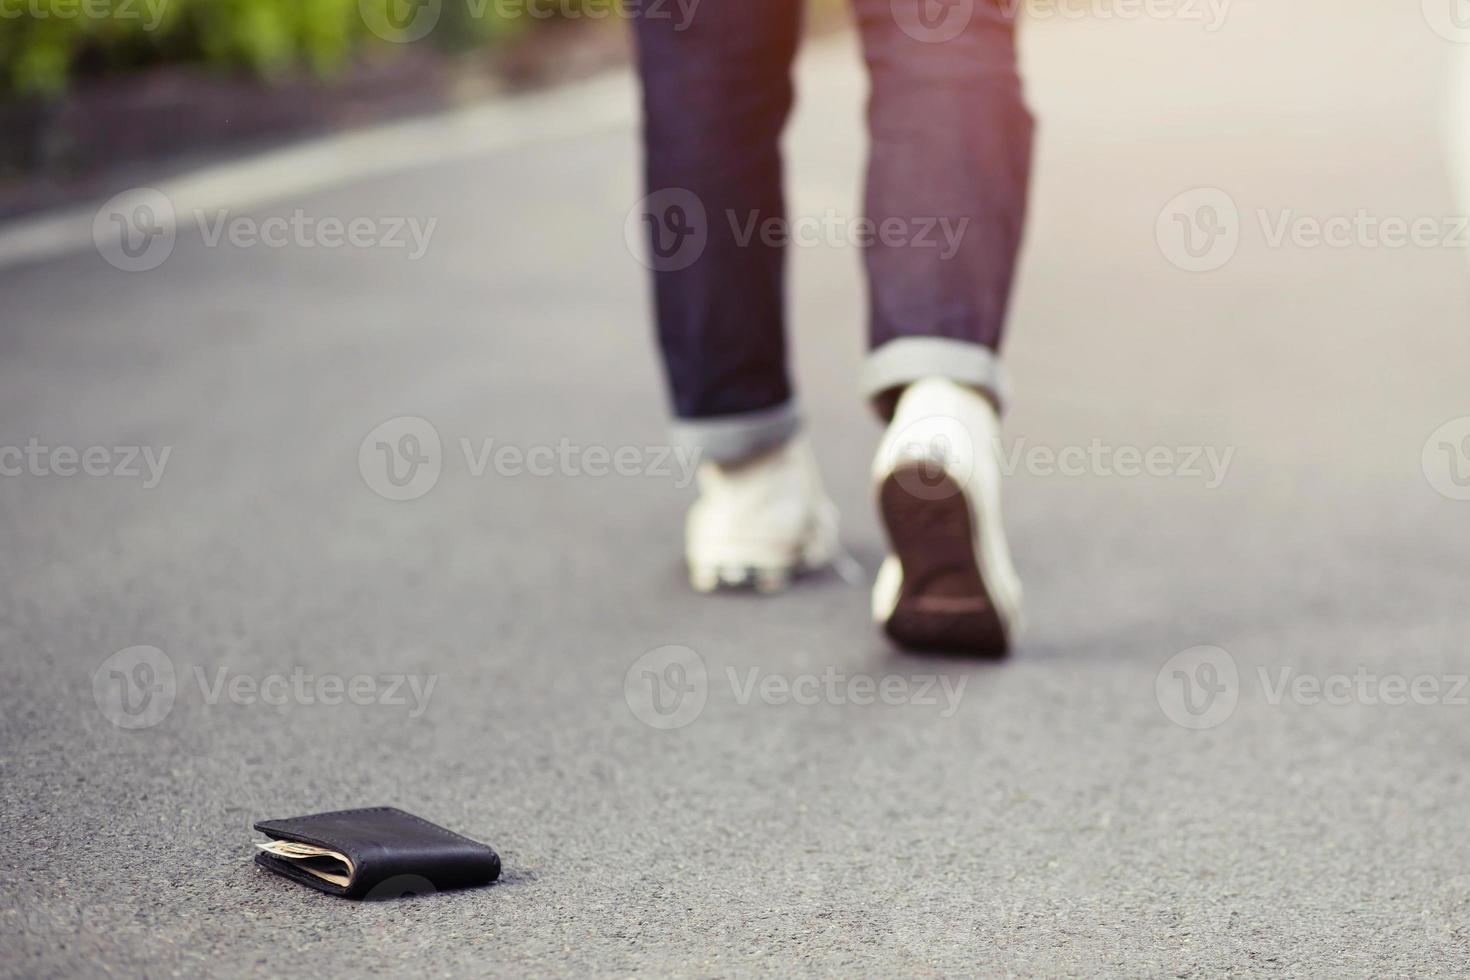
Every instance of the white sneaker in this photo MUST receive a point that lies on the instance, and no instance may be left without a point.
(949, 582)
(761, 522)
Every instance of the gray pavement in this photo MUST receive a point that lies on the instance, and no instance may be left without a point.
(1053, 815)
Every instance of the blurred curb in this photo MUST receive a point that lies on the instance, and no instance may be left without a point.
(604, 102)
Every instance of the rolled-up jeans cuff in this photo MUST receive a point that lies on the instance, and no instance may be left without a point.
(734, 438)
(908, 359)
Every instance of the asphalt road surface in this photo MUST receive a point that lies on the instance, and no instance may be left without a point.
(1232, 742)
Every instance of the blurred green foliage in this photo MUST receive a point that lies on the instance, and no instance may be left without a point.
(46, 44)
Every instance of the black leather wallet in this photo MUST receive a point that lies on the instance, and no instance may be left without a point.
(354, 853)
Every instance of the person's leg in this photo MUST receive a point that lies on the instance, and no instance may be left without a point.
(948, 171)
(717, 91)
(950, 159)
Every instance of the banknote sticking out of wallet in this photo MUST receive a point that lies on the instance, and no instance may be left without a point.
(379, 851)
(326, 865)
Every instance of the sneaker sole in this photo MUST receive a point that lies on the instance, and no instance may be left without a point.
(943, 603)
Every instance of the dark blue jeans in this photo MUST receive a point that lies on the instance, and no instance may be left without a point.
(945, 202)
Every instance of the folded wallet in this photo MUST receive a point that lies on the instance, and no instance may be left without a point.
(357, 853)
